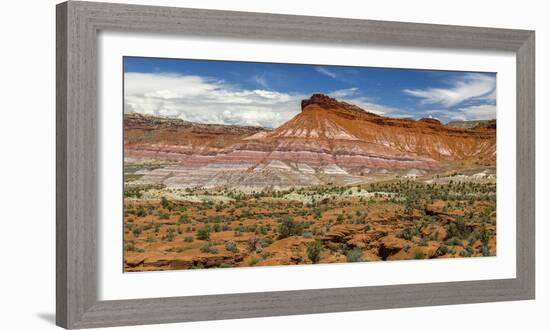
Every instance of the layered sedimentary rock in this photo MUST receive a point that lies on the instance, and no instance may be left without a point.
(328, 141)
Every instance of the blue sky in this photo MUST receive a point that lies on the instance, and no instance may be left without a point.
(268, 94)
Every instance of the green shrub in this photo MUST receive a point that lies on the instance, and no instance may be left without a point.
(208, 247)
(484, 235)
(129, 246)
(188, 239)
(314, 251)
(442, 250)
(204, 233)
(231, 246)
(136, 231)
(419, 255)
(289, 227)
(266, 242)
(253, 261)
(458, 229)
(467, 252)
(164, 202)
(170, 235)
(408, 233)
(454, 241)
(354, 255)
(140, 212)
(182, 248)
(183, 219)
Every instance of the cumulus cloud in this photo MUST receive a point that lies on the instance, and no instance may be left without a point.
(468, 87)
(204, 100)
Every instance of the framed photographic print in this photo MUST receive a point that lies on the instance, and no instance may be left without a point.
(217, 165)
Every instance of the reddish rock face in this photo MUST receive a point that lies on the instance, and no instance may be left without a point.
(328, 139)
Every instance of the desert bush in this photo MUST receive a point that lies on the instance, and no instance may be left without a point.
(314, 251)
(354, 255)
(182, 248)
(442, 250)
(254, 261)
(140, 212)
(458, 229)
(204, 233)
(484, 250)
(424, 241)
(484, 235)
(288, 227)
(208, 247)
(467, 252)
(454, 241)
(188, 239)
(408, 233)
(129, 246)
(419, 255)
(183, 219)
(164, 202)
(136, 231)
(164, 216)
(231, 246)
(170, 235)
(266, 242)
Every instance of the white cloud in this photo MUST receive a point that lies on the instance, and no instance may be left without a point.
(326, 72)
(477, 112)
(474, 112)
(260, 80)
(199, 99)
(349, 95)
(366, 104)
(467, 87)
(343, 92)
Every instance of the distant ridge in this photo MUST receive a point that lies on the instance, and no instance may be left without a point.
(491, 123)
(327, 140)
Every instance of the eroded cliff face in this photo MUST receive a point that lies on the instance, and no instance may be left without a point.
(328, 141)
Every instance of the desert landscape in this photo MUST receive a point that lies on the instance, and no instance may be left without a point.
(334, 184)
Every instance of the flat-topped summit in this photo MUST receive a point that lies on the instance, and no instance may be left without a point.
(326, 102)
(321, 100)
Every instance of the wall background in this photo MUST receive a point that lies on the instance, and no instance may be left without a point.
(27, 166)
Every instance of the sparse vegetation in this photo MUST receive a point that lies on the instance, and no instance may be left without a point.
(249, 228)
(289, 227)
(314, 251)
(354, 255)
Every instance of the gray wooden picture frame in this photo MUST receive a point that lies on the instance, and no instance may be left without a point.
(78, 24)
